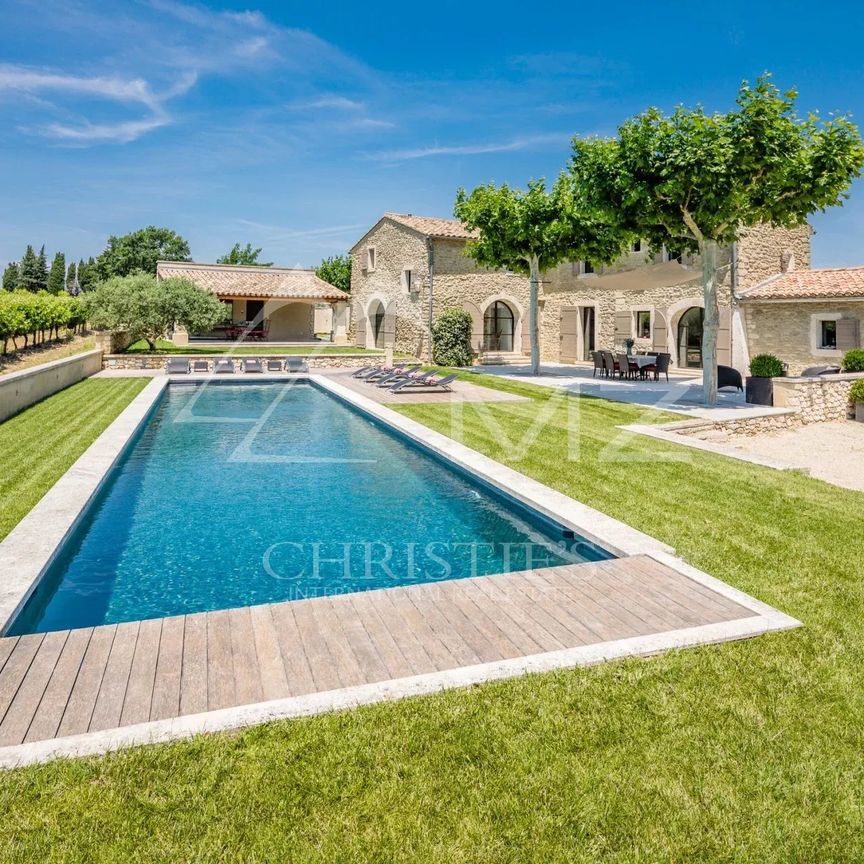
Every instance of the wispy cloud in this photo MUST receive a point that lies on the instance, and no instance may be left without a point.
(525, 143)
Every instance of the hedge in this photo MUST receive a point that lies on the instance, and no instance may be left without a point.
(35, 317)
(451, 338)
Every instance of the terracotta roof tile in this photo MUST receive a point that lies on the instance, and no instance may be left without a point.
(810, 285)
(432, 226)
(229, 280)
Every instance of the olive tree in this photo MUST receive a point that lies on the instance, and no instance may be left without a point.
(534, 230)
(695, 181)
(147, 308)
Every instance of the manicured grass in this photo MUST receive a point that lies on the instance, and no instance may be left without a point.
(254, 348)
(40, 443)
(747, 751)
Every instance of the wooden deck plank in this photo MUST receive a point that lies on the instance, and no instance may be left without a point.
(247, 678)
(295, 657)
(82, 699)
(503, 638)
(7, 645)
(411, 631)
(51, 709)
(463, 653)
(274, 682)
(220, 661)
(310, 643)
(345, 663)
(600, 604)
(394, 660)
(29, 694)
(169, 669)
(194, 673)
(522, 630)
(142, 675)
(112, 691)
(358, 639)
(16, 667)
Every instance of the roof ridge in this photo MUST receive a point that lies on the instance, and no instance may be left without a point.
(249, 267)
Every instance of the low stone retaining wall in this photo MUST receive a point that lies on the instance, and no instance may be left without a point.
(19, 390)
(314, 361)
(816, 400)
(741, 426)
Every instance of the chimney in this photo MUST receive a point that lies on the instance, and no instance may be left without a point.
(787, 261)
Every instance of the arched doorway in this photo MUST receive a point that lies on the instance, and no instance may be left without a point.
(498, 327)
(375, 335)
(690, 338)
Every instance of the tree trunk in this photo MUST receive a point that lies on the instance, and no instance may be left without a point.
(534, 314)
(711, 322)
(151, 343)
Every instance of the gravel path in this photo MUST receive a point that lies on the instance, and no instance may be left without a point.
(831, 451)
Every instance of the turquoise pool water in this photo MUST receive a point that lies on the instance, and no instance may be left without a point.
(238, 494)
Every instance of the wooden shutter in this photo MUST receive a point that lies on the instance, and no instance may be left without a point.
(390, 325)
(623, 326)
(570, 325)
(724, 337)
(476, 326)
(360, 328)
(848, 334)
(660, 339)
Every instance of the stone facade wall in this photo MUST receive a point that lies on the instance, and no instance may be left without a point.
(762, 251)
(460, 282)
(158, 361)
(784, 329)
(396, 249)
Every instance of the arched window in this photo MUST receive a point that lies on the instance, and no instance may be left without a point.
(690, 338)
(498, 327)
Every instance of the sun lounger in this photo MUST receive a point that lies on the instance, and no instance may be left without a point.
(252, 364)
(296, 364)
(428, 383)
(391, 373)
(177, 366)
(414, 375)
(224, 365)
(274, 365)
(200, 365)
(366, 370)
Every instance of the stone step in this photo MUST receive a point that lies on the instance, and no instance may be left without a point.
(502, 358)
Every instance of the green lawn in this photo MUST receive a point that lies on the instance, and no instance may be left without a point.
(748, 751)
(254, 348)
(39, 444)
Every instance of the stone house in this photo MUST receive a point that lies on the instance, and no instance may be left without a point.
(406, 269)
(805, 317)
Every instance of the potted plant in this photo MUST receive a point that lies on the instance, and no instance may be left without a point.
(856, 397)
(853, 361)
(760, 385)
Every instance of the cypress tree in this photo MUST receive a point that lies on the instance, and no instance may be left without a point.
(43, 269)
(71, 279)
(87, 275)
(10, 276)
(57, 274)
(29, 275)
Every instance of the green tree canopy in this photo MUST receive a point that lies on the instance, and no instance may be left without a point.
(694, 180)
(534, 230)
(57, 274)
(10, 276)
(337, 271)
(147, 308)
(71, 279)
(244, 255)
(87, 275)
(31, 271)
(139, 252)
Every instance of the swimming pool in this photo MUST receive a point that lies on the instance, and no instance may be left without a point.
(234, 494)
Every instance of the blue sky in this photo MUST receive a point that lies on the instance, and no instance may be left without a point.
(294, 126)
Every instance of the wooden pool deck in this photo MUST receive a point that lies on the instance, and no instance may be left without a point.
(68, 683)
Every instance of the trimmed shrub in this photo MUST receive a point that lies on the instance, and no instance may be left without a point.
(853, 361)
(451, 338)
(856, 393)
(766, 366)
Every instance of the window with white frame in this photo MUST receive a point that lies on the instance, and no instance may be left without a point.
(642, 323)
(370, 258)
(823, 333)
(408, 280)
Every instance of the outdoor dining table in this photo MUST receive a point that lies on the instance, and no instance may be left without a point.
(642, 360)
